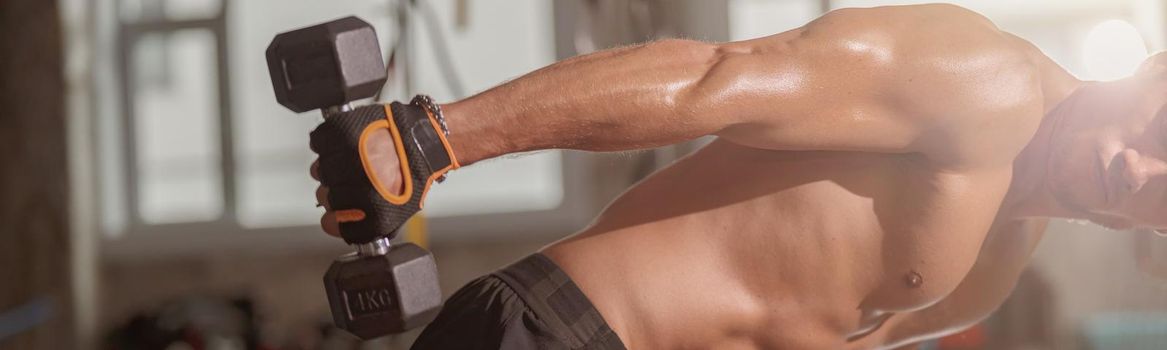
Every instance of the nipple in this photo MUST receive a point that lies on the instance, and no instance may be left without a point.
(913, 279)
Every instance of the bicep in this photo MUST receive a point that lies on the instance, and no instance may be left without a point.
(807, 91)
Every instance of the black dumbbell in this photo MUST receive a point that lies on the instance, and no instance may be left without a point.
(382, 288)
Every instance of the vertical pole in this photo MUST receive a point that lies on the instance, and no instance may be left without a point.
(406, 46)
(35, 259)
(227, 152)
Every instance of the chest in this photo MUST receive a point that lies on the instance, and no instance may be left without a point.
(913, 233)
(818, 236)
(884, 235)
(886, 228)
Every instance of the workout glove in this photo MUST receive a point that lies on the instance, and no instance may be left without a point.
(366, 208)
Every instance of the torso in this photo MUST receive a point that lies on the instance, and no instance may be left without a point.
(737, 246)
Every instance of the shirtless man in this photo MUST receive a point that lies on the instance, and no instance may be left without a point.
(880, 178)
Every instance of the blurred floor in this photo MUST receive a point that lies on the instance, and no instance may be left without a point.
(287, 290)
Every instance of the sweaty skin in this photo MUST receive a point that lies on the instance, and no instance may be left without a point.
(880, 175)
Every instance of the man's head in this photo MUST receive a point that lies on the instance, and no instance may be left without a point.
(1108, 161)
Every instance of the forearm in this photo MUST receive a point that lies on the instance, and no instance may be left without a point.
(621, 99)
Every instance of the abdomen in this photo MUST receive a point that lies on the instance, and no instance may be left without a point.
(777, 239)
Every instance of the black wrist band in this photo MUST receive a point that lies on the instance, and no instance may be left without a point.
(427, 102)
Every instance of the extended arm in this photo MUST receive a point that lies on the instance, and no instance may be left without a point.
(819, 87)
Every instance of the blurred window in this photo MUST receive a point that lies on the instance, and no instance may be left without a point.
(751, 19)
(173, 111)
(497, 42)
(200, 143)
(140, 10)
(176, 123)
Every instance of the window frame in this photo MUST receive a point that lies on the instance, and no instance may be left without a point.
(135, 239)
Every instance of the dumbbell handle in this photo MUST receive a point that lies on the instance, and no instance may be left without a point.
(367, 209)
(379, 246)
(335, 110)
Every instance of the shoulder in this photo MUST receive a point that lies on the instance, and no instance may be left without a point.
(945, 41)
(944, 68)
(899, 46)
(922, 24)
(909, 16)
(945, 76)
(935, 52)
(897, 42)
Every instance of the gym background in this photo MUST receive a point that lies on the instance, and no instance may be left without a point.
(153, 194)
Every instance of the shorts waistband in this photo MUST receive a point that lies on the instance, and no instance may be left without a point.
(552, 295)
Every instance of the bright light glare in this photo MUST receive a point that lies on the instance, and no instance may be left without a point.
(1113, 50)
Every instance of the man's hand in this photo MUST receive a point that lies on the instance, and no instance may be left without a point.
(385, 166)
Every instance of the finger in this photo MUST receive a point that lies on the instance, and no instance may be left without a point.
(322, 197)
(315, 169)
(328, 223)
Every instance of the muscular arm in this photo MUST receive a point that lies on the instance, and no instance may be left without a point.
(1002, 258)
(833, 84)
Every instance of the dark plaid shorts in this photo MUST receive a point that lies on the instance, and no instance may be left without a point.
(530, 304)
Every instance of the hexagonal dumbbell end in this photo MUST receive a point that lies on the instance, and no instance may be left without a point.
(325, 65)
(377, 295)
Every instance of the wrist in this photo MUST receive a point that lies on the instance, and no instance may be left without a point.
(474, 135)
(438, 133)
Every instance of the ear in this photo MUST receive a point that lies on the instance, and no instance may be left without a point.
(1154, 65)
